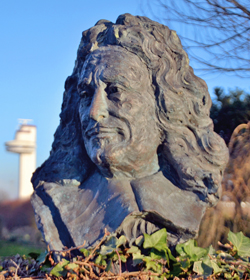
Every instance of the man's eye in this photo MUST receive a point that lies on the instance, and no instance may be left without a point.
(114, 93)
(112, 90)
(115, 96)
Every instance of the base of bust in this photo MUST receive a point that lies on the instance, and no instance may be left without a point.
(70, 215)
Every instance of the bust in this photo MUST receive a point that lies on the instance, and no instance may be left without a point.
(135, 150)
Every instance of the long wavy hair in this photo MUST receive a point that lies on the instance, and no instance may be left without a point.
(192, 155)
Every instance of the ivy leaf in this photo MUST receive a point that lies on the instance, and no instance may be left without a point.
(176, 271)
(198, 268)
(85, 252)
(123, 258)
(202, 268)
(71, 266)
(179, 248)
(206, 267)
(155, 255)
(108, 267)
(121, 241)
(191, 249)
(112, 256)
(152, 265)
(229, 276)
(42, 257)
(216, 268)
(109, 246)
(133, 249)
(157, 240)
(185, 263)
(101, 260)
(59, 270)
(211, 250)
(170, 256)
(137, 258)
(46, 268)
(241, 243)
(194, 251)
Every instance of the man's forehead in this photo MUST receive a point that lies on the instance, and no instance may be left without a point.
(103, 73)
(107, 75)
(112, 64)
(111, 58)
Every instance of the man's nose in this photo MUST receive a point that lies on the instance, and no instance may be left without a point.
(99, 106)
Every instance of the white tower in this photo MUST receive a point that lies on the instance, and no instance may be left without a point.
(24, 144)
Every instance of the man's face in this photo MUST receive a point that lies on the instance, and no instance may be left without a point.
(117, 112)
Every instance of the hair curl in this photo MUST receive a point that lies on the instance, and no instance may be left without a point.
(191, 155)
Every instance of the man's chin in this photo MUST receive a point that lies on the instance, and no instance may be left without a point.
(97, 156)
(104, 152)
(105, 157)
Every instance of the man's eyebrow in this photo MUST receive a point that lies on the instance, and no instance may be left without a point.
(117, 80)
(86, 80)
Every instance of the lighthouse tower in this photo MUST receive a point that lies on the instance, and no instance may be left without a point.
(24, 144)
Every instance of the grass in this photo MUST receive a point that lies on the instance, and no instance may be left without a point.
(8, 248)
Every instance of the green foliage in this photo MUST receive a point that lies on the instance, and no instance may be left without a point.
(109, 247)
(42, 257)
(153, 258)
(241, 243)
(101, 260)
(191, 250)
(207, 262)
(229, 110)
(157, 240)
(59, 270)
(85, 252)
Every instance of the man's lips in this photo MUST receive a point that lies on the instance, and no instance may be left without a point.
(100, 131)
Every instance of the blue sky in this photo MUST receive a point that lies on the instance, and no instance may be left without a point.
(39, 40)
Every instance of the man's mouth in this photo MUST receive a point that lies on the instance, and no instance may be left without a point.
(101, 132)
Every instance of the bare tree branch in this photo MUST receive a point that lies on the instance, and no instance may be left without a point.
(242, 8)
(218, 30)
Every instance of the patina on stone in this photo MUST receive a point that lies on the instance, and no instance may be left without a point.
(135, 150)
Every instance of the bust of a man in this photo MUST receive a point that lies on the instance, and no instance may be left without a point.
(135, 150)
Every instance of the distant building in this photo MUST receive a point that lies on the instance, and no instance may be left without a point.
(24, 144)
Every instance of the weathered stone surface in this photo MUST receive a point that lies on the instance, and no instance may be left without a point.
(135, 150)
